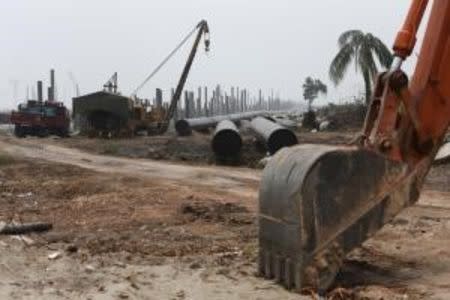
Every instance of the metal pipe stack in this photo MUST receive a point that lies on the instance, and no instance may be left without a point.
(184, 127)
(272, 134)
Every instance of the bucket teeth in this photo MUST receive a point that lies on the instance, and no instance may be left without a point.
(288, 274)
(268, 271)
(278, 270)
(281, 269)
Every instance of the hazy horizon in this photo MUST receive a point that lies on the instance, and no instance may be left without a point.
(255, 44)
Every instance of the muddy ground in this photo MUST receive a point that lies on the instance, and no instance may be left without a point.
(127, 228)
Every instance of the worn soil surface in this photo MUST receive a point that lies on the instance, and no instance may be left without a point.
(191, 150)
(135, 228)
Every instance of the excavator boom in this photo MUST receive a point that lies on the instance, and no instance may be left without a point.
(319, 202)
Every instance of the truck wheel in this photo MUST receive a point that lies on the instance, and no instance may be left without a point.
(42, 132)
(63, 133)
(19, 131)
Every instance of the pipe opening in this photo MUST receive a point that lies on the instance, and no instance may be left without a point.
(227, 143)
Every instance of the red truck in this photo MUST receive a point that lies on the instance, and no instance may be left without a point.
(41, 119)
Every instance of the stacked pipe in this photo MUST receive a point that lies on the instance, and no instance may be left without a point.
(226, 140)
(184, 127)
(272, 134)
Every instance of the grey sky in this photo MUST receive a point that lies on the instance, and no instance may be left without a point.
(255, 44)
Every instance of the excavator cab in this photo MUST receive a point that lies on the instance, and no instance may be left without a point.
(317, 202)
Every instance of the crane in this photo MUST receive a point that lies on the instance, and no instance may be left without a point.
(202, 30)
(318, 202)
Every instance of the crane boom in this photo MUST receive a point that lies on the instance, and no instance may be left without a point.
(203, 30)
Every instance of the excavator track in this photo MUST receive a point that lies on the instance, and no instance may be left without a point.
(319, 202)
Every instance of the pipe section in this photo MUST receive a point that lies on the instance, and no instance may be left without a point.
(272, 134)
(184, 127)
(227, 141)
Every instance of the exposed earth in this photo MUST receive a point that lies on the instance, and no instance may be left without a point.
(135, 228)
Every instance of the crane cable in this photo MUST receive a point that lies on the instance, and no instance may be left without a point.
(164, 61)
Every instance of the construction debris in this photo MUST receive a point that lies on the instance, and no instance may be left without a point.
(54, 255)
(17, 229)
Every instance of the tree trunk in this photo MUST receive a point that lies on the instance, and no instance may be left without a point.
(368, 87)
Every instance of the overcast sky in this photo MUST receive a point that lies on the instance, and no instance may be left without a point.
(264, 44)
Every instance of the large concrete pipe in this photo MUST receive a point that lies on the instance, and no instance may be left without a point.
(272, 134)
(185, 126)
(226, 141)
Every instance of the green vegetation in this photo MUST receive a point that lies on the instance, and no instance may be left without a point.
(361, 48)
(346, 116)
(311, 90)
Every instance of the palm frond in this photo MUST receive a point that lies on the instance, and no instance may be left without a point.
(320, 86)
(382, 52)
(349, 37)
(366, 60)
(340, 63)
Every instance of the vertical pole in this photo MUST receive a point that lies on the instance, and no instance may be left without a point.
(187, 113)
(207, 112)
(199, 102)
(51, 94)
(260, 99)
(158, 98)
(39, 91)
(192, 103)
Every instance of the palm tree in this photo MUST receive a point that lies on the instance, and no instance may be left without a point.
(360, 47)
(311, 89)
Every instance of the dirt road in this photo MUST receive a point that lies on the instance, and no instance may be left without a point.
(230, 179)
(140, 229)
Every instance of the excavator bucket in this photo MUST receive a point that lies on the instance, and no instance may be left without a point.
(319, 202)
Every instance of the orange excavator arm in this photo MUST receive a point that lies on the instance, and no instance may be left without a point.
(318, 202)
(406, 120)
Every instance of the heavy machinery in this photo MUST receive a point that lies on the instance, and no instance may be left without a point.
(202, 30)
(319, 202)
(42, 118)
(107, 113)
(37, 118)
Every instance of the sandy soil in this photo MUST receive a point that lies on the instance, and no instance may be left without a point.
(139, 229)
